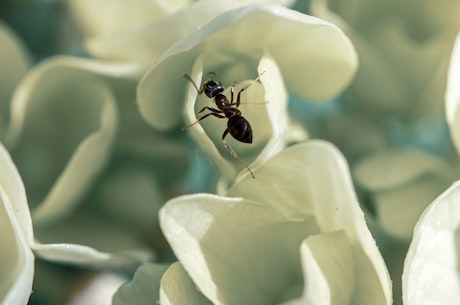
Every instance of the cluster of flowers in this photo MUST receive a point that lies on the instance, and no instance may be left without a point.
(355, 113)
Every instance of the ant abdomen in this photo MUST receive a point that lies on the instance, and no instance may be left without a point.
(240, 129)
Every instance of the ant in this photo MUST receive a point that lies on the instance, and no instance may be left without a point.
(237, 125)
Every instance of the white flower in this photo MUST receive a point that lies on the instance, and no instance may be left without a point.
(298, 219)
(293, 50)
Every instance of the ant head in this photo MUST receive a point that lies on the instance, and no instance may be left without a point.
(212, 88)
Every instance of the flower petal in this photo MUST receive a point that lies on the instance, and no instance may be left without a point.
(49, 107)
(313, 179)
(119, 15)
(240, 232)
(328, 269)
(177, 288)
(144, 287)
(398, 210)
(17, 260)
(431, 267)
(394, 168)
(146, 43)
(308, 57)
(14, 63)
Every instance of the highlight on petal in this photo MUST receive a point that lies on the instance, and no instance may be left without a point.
(177, 288)
(14, 63)
(313, 179)
(307, 57)
(49, 107)
(327, 261)
(431, 267)
(236, 251)
(144, 288)
(453, 95)
(16, 258)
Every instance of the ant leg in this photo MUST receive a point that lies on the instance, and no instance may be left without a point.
(204, 117)
(189, 78)
(209, 108)
(246, 86)
(233, 152)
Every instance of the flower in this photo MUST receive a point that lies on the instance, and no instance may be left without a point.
(306, 61)
(298, 219)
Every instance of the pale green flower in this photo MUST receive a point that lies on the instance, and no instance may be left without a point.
(142, 30)
(285, 48)
(294, 234)
(431, 268)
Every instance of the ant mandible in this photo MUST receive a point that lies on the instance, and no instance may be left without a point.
(237, 125)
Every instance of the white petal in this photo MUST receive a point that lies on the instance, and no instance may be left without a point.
(16, 258)
(453, 95)
(144, 288)
(431, 268)
(177, 288)
(328, 268)
(308, 58)
(313, 179)
(236, 251)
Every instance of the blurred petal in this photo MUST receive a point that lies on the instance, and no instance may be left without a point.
(146, 43)
(398, 210)
(16, 258)
(49, 107)
(240, 232)
(144, 288)
(327, 261)
(14, 63)
(393, 168)
(307, 57)
(453, 95)
(119, 15)
(431, 267)
(177, 288)
(313, 179)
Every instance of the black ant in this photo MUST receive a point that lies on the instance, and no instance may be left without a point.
(237, 125)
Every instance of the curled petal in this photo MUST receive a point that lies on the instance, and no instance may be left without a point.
(327, 261)
(431, 267)
(312, 178)
(49, 107)
(177, 288)
(16, 258)
(308, 57)
(231, 247)
(14, 63)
